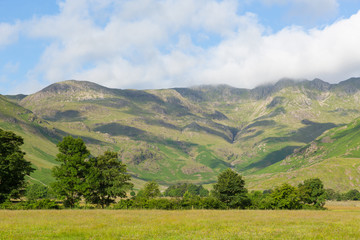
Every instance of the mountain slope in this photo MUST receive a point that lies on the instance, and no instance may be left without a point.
(334, 157)
(39, 137)
(191, 134)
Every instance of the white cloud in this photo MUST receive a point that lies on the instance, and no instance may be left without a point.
(132, 39)
(8, 33)
(331, 54)
(159, 44)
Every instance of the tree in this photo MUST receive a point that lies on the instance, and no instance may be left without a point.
(230, 189)
(312, 192)
(179, 190)
(203, 192)
(331, 194)
(71, 174)
(150, 190)
(13, 166)
(107, 179)
(286, 197)
(353, 195)
(36, 191)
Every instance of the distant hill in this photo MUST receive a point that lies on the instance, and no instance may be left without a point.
(191, 134)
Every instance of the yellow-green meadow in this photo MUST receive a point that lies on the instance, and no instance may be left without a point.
(339, 222)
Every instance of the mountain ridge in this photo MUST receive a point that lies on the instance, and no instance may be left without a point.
(350, 85)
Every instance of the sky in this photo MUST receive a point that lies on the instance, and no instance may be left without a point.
(152, 44)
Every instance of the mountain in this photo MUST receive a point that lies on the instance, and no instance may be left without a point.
(191, 134)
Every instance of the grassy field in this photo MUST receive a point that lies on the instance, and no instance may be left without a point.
(341, 221)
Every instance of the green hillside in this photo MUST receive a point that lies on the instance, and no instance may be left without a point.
(333, 157)
(189, 134)
(39, 137)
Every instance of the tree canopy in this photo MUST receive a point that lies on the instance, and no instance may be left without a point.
(230, 189)
(353, 194)
(100, 180)
(71, 174)
(286, 197)
(312, 192)
(107, 179)
(13, 166)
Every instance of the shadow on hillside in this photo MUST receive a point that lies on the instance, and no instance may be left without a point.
(272, 158)
(216, 115)
(306, 134)
(111, 102)
(138, 96)
(161, 123)
(274, 113)
(192, 94)
(247, 138)
(56, 135)
(251, 128)
(68, 115)
(263, 123)
(116, 129)
(197, 128)
(174, 106)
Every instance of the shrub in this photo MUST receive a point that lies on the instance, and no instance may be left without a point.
(124, 204)
(211, 203)
(162, 203)
(286, 197)
(36, 191)
(43, 204)
(259, 200)
(353, 195)
(40, 204)
(179, 190)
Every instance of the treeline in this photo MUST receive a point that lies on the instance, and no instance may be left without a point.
(179, 190)
(98, 182)
(229, 193)
(351, 195)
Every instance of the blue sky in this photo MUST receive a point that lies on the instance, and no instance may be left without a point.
(176, 43)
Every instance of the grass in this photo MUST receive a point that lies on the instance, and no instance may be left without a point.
(192, 224)
(343, 205)
(330, 171)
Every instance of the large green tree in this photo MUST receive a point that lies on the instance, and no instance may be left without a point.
(312, 192)
(74, 167)
(13, 166)
(230, 189)
(107, 179)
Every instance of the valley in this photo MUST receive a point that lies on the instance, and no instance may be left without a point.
(282, 132)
